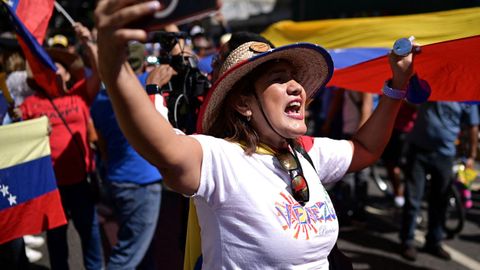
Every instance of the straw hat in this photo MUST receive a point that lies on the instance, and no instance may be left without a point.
(313, 64)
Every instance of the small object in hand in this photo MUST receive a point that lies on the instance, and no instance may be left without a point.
(403, 46)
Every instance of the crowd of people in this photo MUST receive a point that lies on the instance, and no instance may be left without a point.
(252, 173)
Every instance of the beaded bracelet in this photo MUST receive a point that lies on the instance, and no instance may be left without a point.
(393, 93)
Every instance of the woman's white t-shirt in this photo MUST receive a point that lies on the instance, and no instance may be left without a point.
(248, 218)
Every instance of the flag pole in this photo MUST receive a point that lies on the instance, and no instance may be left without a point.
(64, 12)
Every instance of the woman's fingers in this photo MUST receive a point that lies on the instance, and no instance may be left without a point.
(125, 35)
(402, 69)
(114, 16)
(111, 6)
(416, 49)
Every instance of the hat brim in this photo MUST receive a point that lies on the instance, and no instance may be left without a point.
(313, 65)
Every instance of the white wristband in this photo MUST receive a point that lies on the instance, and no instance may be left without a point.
(393, 93)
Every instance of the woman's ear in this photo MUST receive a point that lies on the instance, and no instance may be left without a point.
(242, 106)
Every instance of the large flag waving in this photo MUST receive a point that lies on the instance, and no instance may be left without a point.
(29, 199)
(32, 17)
(448, 61)
(35, 14)
(451, 68)
(193, 251)
(379, 32)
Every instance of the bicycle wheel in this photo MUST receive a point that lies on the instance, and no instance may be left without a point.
(455, 214)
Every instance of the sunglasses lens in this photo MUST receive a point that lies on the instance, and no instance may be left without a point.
(300, 189)
(299, 183)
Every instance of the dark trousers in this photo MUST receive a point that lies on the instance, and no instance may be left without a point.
(419, 164)
(12, 255)
(79, 206)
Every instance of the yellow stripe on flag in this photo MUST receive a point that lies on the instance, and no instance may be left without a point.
(23, 141)
(193, 247)
(378, 31)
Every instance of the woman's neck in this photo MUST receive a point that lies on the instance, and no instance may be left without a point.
(277, 146)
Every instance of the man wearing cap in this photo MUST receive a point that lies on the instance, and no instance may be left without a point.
(256, 180)
(58, 41)
(69, 117)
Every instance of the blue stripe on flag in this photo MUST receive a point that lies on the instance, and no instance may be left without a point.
(343, 58)
(29, 39)
(14, 4)
(26, 181)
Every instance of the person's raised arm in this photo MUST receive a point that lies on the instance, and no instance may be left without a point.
(371, 139)
(86, 39)
(178, 157)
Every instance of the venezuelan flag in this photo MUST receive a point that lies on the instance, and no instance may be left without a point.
(35, 14)
(448, 61)
(450, 67)
(29, 19)
(193, 251)
(378, 32)
(29, 199)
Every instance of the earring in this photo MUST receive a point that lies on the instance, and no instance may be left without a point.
(249, 115)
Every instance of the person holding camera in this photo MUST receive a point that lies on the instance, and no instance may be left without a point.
(256, 180)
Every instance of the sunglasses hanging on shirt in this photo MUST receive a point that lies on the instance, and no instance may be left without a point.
(299, 185)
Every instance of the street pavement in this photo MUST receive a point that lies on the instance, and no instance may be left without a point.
(373, 244)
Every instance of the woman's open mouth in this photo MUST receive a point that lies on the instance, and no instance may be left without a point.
(293, 110)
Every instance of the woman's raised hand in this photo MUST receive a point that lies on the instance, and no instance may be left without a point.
(111, 19)
(402, 68)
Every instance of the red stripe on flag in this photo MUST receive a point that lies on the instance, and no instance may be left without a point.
(44, 76)
(451, 68)
(32, 217)
(35, 14)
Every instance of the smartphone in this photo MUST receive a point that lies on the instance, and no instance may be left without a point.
(177, 12)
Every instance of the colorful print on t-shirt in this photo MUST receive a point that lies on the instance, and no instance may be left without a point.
(303, 221)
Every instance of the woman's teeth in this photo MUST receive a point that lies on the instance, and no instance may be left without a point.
(293, 107)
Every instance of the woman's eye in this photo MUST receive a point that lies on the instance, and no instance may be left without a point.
(278, 79)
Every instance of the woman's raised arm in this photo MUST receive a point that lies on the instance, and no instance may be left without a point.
(371, 139)
(178, 157)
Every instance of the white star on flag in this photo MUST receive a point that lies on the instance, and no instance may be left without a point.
(12, 199)
(4, 190)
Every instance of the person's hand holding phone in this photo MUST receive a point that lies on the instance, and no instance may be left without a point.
(111, 20)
